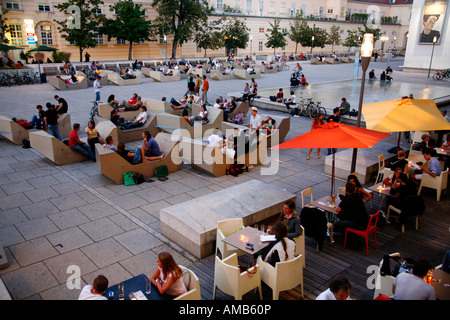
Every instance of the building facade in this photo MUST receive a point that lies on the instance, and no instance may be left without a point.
(395, 16)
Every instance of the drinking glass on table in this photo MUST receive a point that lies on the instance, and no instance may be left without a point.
(121, 294)
(148, 285)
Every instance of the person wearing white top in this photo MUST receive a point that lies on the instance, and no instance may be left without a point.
(339, 290)
(283, 249)
(139, 121)
(292, 101)
(97, 88)
(409, 286)
(255, 121)
(216, 139)
(96, 290)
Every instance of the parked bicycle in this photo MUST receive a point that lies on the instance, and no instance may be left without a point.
(441, 74)
(310, 109)
(94, 110)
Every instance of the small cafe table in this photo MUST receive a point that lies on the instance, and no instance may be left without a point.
(135, 284)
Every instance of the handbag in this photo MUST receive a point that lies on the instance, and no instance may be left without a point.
(138, 178)
(128, 179)
(161, 173)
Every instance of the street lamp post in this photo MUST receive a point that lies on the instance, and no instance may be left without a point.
(312, 45)
(251, 42)
(165, 49)
(432, 52)
(366, 54)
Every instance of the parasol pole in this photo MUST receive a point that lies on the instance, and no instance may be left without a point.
(39, 62)
(332, 172)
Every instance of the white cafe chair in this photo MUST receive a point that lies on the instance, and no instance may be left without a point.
(438, 183)
(383, 284)
(226, 228)
(300, 245)
(192, 285)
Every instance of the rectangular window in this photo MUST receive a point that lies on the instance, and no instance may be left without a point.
(237, 4)
(219, 4)
(272, 7)
(46, 35)
(161, 39)
(261, 30)
(98, 11)
(121, 41)
(261, 8)
(16, 34)
(260, 46)
(248, 5)
(44, 8)
(293, 11)
(321, 11)
(12, 6)
(99, 38)
(303, 9)
(330, 10)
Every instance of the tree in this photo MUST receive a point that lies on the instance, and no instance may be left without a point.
(320, 38)
(128, 24)
(236, 34)
(376, 33)
(334, 37)
(3, 30)
(352, 40)
(209, 35)
(275, 38)
(298, 31)
(180, 18)
(80, 28)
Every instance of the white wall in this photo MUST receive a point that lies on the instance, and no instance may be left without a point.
(418, 55)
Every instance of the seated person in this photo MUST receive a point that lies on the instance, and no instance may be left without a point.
(303, 80)
(150, 147)
(269, 124)
(345, 106)
(93, 136)
(139, 121)
(383, 76)
(116, 118)
(404, 188)
(178, 105)
(372, 74)
(128, 154)
(339, 290)
(96, 290)
(109, 143)
(279, 96)
(359, 189)
(202, 116)
(128, 75)
(283, 249)
(251, 70)
(294, 80)
(113, 102)
(351, 212)
(238, 119)
(168, 276)
(227, 71)
(131, 105)
(37, 121)
(292, 101)
(425, 143)
(79, 146)
(228, 108)
(24, 123)
(216, 139)
(432, 166)
(411, 286)
(400, 162)
(389, 180)
(290, 219)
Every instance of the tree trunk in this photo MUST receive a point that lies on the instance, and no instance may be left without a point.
(205, 52)
(130, 51)
(81, 54)
(296, 45)
(174, 50)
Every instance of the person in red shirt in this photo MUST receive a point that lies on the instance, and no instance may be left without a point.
(205, 89)
(303, 81)
(79, 146)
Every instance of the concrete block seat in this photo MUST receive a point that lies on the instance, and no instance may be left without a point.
(211, 160)
(103, 77)
(58, 84)
(218, 75)
(317, 61)
(15, 133)
(158, 76)
(174, 124)
(241, 106)
(244, 75)
(113, 166)
(282, 127)
(55, 150)
(104, 111)
(159, 106)
(51, 71)
(347, 60)
(107, 128)
(116, 79)
(199, 71)
(263, 68)
(193, 224)
(331, 60)
(135, 134)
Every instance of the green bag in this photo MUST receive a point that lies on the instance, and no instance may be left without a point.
(162, 172)
(128, 179)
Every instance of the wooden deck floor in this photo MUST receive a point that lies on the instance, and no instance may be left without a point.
(431, 242)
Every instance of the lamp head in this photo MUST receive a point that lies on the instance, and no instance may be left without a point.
(367, 45)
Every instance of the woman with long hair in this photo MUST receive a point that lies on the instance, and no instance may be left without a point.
(168, 276)
(358, 188)
(317, 123)
(284, 248)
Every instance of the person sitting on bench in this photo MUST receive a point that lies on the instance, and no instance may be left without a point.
(139, 121)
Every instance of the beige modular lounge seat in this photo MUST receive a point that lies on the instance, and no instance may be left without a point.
(347, 60)
(174, 124)
(116, 79)
(331, 60)
(241, 106)
(55, 150)
(244, 75)
(211, 159)
(158, 76)
(113, 166)
(135, 134)
(107, 128)
(159, 106)
(216, 74)
(317, 61)
(56, 82)
(103, 77)
(104, 111)
(16, 133)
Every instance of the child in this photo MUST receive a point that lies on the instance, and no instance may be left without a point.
(238, 118)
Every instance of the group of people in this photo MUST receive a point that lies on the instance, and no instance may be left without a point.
(386, 75)
(167, 278)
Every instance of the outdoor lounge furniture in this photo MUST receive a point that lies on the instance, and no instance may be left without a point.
(213, 161)
(55, 150)
(244, 75)
(192, 284)
(438, 183)
(383, 284)
(159, 106)
(224, 229)
(195, 230)
(104, 111)
(116, 79)
(58, 84)
(14, 132)
(347, 60)
(136, 133)
(284, 276)
(51, 71)
(216, 74)
(113, 166)
(175, 124)
(331, 60)
(161, 77)
(317, 61)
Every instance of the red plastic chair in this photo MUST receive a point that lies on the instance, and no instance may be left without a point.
(371, 228)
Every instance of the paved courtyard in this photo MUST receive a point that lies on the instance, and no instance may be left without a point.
(54, 217)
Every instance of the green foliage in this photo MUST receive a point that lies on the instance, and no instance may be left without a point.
(365, 29)
(83, 37)
(298, 31)
(209, 35)
(3, 30)
(179, 18)
(60, 56)
(128, 24)
(334, 37)
(353, 39)
(275, 38)
(236, 34)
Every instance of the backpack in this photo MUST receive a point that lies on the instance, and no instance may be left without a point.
(273, 98)
(162, 173)
(390, 266)
(138, 178)
(236, 169)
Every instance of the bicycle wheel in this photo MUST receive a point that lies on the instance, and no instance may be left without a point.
(437, 76)
(312, 111)
(286, 67)
(322, 111)
(303, 111)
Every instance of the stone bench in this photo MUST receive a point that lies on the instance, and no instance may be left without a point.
(58, 84)
(158, 76)
(51, 71)
(193, 224)
(211, 160)
(116, 79)
(55, 150)
(244, 75)
(218, 75)
(317, 61)
(113, 166)
(135, 134)
(331, 60)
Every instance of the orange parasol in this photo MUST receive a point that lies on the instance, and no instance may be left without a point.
(335, 135)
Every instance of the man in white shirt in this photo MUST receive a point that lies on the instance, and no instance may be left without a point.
(412, 286)
(97, 88)
(292, 101)
(96, 290)
(139, 121)
(216, 139)
(255, 121)
(339, 290)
